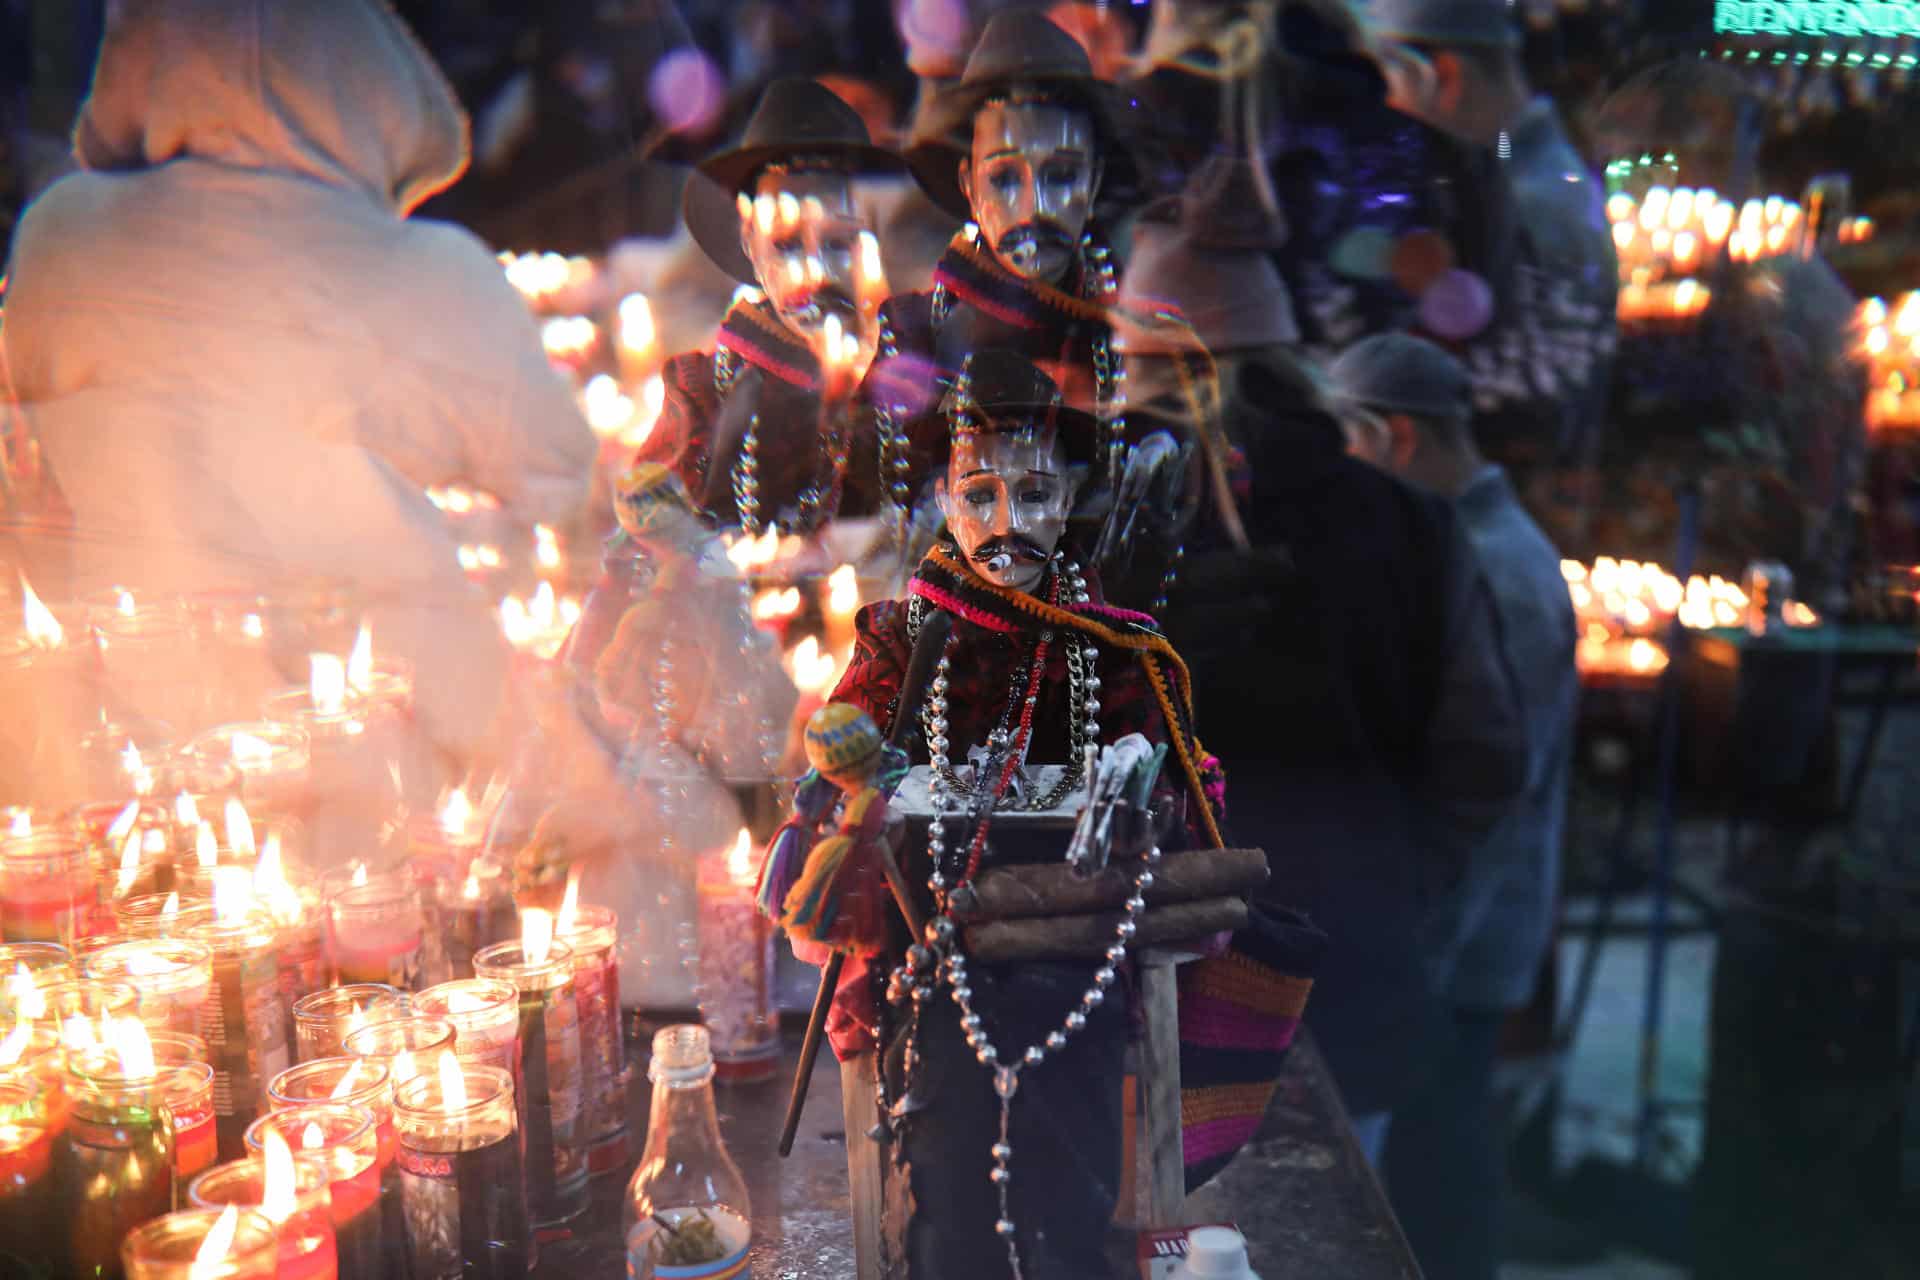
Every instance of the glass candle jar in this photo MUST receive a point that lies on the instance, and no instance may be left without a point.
(736, 967)
(31, 1116)
(462, 1176)
(485, 1015)
(149, 660)
(304, 1226)
(186, 1094)
(346, 1139)
(169, 1248)
(244, 1021)
(161, 915)
(115, 1167)
(174, 978)
(594, 935)
(44, 963)
(274, 761)
(549, 1075)
(353, 1082)
(407, 1045)
(46, 887)
(323, 1019)
(475, 911)
(76, 1008)
(375, 931)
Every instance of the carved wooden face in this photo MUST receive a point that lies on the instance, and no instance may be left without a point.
(800, 232)
(1006, 496)
(1030, 178)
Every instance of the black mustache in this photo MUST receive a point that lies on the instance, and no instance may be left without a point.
(825, 301)
(1013, 545)
(1039, 235)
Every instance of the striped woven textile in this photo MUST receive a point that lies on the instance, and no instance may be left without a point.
(1238, 1015)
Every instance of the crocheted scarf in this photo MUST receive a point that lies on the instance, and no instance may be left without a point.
(973, 275)
(754, 333)
(944, 581)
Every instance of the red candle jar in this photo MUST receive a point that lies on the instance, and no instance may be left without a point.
(375, 932)
(357, 1082)
(46, 887)
(244, 1020)
(186, 1093)
(169, 1248)
(324, 1018)
(302, 1213)
(593, 934)
(114, 1167)
(174, 978)
(28, 1120)
(31, 965)
(346, 1139)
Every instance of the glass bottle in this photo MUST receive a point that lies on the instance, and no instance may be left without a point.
(687, 1204)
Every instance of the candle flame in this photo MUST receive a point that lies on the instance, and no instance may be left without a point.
(128, 1036)
(20, 826)
(313, 1137)
(811, 669)
(25, 995)
(43, 629)
(185, 811)
(569, 904)
(170, 909)
(232, 894)
(123, 601)
(278, 1194)
(453, 1083)
(129, 865)
(753, 553)
(740, 868)
(470, 890)
(252, 627)
(239, 828)
(403, 1068)
(270, 883)
(348, 1079)
(456, 813)
(218, 1244)
(250, 751)
(637, 331)
(327, 684)
(123, 821)
(359, 672)
(546, 547)
(359, 874)
(136, 769)
(536, 935)
(206, 846)
(771, 604)
(843, 590)
(77, 1033)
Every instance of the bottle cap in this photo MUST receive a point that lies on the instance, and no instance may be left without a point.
(1216, 1253)
(682, 1054)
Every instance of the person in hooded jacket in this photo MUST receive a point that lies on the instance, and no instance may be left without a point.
(243, 361)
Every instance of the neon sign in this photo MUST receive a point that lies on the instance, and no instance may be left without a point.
(1817, 17)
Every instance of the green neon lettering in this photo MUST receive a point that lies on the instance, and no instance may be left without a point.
(1878, 18)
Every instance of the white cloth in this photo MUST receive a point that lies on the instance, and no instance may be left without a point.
(244, 364)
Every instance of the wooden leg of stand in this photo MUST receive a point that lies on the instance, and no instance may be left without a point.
(810, 1049)
(865, 1186)
(1164, 1171)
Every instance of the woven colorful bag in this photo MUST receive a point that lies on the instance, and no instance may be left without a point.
(1238, 1015)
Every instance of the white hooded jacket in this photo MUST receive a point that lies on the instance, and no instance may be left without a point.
(244, 364)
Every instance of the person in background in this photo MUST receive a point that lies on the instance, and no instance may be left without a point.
(1541, 367)
(1407, 408)
(1357, 643)
(243, 361)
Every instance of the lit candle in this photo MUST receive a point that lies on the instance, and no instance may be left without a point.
(274, 762)
(186, 1094)
(245, 1020)
(367, 1084)
(174, 977)
(323, 1019)
(35, 965)
(346, 1139)
(47, 687)
(116, 1164)
(736, 964)
(294, 909)
(291, 1193)
(149, 658)
(46, 886)
(475, 912)
(375, 932)
(541, 969)
(407, 1045)
(639, 339)
(161, 915)
(462, 1174)
(593, 933)
(28, 1113)
(203, 1244)
(484, 1014)
(76, 1009)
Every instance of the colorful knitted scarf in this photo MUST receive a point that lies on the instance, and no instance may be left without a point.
(974, 276)
(754, 333)
(944, 581)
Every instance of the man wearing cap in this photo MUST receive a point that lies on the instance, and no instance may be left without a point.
(1540, 371)
(1036, 668)
(1021, 146)
(1407, 406)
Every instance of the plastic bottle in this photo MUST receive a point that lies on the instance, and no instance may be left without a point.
(687, 1214)
(1215, 1253)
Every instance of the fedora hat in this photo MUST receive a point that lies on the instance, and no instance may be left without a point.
(1003, 391)
(795, 117)
(1018, 48)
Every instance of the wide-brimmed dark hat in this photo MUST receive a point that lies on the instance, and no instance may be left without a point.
(796, 117)
(1004, 391)
(1019, 47)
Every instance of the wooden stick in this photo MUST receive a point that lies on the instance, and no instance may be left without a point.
(810, 1048)
(1053, 889)
(1066, 937)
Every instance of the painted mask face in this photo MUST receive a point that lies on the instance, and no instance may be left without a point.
(799, 231)
(1006, 496)
(1031, 179)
